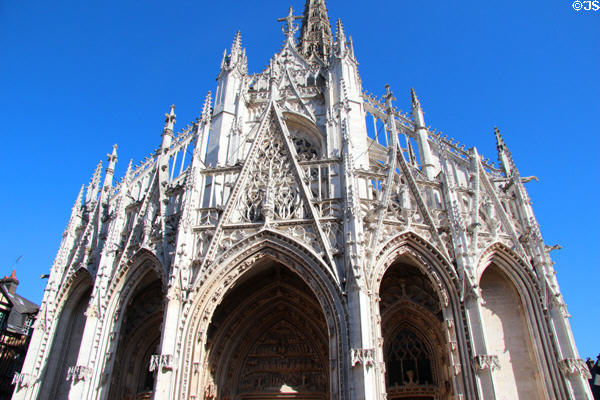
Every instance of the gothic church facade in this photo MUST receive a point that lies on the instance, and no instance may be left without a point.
(275, 250)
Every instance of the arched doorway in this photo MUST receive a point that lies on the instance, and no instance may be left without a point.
(267, 339)
(508, 337)
(67, 338)
(139, 339)
(414, 343)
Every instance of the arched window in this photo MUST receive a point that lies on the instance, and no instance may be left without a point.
(408, 360)
(414, 342)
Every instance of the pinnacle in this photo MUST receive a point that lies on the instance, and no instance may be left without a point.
(79, 198)
(499, 139)
(389, 96)
(129, 169)
(503, 153)
(92, 189)
(415, 100)
(170, 118)
(112, 157)
(97, 172)
(206, 108)
(339, 28)
(236, 47)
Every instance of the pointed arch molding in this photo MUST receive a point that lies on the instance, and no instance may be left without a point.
(71, 283)
(518, 270)
(305, 263)
(445, 282)
(115, 298)
(127, 273)
(48, 319)
(442, 275)
(523, 277)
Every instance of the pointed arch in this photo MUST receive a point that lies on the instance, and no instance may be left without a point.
(236, 263)
(409, 253)
(426, 255)
(72, 303)
(142, 272)
(517, 269)
(515, 325)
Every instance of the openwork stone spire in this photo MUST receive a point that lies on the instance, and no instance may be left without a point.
(315, 34)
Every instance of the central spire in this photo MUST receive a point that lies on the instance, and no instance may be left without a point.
(315, 35)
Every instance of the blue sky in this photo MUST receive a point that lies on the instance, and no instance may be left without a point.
(80, 76)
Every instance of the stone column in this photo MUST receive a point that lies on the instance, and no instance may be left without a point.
(166, 363)
(483, 363)
(364, 369)
(81, 373)
(573, 368)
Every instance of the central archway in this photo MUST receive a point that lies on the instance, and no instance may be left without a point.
(268, 339)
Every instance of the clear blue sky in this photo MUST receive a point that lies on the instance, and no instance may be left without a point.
(78, 76)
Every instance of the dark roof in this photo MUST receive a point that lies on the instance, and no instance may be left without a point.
(21, 309)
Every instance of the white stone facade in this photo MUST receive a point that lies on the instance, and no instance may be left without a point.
(274, 250)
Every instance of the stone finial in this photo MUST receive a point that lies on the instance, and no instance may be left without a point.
(112, 160)
(129, 171)
(224, 59)
(110, 168)
(77, 204)
(351, 46)
(236, 46)
(94, 185)
(504, 154)
(499, 140)
(207, 107)
(389, 97)
(340, 39)
(170, 119)
(414, 99)
(237, 55)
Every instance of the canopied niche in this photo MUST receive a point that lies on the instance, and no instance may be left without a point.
(508, 337)
(139, 339)
(267, 339)
(67, 338)
(414, 343)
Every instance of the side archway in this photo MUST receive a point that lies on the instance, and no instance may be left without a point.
(291, 282)
(67, 336)
(513, 328)
(423, 342)
(135, 309)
